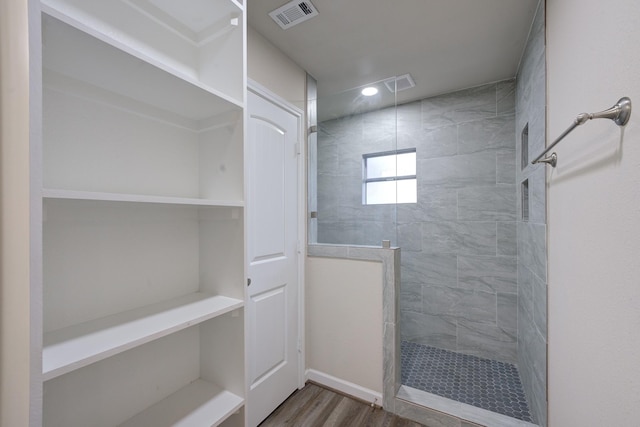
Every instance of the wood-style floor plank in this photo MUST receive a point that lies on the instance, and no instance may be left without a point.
(315, 413)
(286, 413)
(315, 406)
(348, 412)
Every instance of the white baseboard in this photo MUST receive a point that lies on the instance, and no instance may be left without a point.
(345, 387)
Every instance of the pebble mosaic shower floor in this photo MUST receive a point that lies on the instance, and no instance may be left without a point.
(484, 383)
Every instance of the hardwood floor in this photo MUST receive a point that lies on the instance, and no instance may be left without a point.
(315, 406)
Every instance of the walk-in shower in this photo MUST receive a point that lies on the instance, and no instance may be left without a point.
(458, 236)
(468, 213)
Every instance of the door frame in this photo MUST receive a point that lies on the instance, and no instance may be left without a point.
(280, 102)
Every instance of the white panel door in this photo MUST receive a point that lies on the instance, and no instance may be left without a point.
(272, 173)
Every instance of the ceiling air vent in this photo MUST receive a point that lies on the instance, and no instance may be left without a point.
(399, 83)
(293, 13)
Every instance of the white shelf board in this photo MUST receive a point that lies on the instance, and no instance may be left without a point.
(71, 348)
(48, 193)
(75, 51)
(201, 403)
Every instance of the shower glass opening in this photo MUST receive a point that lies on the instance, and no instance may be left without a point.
(361, 175)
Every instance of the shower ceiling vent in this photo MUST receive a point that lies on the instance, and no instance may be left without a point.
(399, 83)
(293, 13)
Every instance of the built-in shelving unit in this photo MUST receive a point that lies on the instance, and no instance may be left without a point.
(143, 212)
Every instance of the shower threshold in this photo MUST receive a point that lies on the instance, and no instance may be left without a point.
(480, 390)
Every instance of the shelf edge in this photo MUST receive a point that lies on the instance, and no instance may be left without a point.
(85, 332)
(49, 193)
(210, 396)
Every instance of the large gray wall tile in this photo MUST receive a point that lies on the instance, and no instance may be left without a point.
(411, 296)
(488, 134)
(410, 236)
(493, 203)
(350, 158)
(508, 311)
(408, 138)
(327, 162)
(409, 116)
(497, 274)
(338, 128)
(532, 247)
(360, 212)
(328, 198)
(441, 300)
(537, 353)
(372, 233)
(330, 232)
(507, 233)
(434, 204)
(379, 130)
(489, 341)
(439, 142)
(384, 116)
(361, 232)
(432, 269)
(437, 331)
(477, 169)
(540, 306)
(506, 166)
(349, 190)
(458, 107)
(472, 238)
(525, 295)
(477, 306)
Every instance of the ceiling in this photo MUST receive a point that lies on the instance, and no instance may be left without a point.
(445, 45)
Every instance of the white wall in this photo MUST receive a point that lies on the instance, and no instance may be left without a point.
(270, 67)
(344, 320)
(594, 216)
(14, 214)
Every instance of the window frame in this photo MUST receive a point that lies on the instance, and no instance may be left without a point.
(396, 178)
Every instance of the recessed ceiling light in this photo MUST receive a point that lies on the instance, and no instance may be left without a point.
(369, 91)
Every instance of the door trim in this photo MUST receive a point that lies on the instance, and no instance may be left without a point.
(275, 99)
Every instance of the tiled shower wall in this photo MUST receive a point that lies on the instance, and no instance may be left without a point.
(458, 242)
(532, 252)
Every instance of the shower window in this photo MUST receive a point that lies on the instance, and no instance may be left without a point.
(389, 177)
